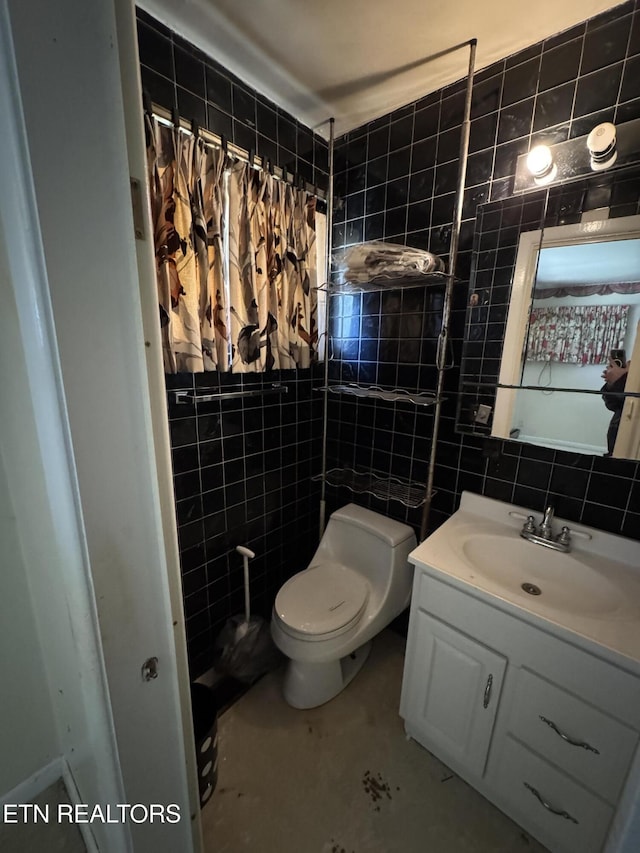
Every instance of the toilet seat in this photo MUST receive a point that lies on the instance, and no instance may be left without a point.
(323, 601)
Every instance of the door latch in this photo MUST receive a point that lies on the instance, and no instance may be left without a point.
(150, 669)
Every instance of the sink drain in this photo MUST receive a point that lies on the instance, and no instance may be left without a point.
(531, 588)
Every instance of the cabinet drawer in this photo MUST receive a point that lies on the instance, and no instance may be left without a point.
(586, 743)
(582, 820)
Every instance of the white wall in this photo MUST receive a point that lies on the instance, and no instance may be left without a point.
(70, 82)
(28, 736)
(59, 708)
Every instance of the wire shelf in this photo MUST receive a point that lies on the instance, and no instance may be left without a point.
(398, 395)
(380, 283)
(379, 485)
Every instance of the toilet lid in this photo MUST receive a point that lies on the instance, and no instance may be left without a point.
(322, 599)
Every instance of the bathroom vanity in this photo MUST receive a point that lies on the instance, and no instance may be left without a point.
(522, 673)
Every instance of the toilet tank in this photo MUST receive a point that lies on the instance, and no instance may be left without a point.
(373, 545)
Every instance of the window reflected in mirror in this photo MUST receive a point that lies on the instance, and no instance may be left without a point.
(576, 329)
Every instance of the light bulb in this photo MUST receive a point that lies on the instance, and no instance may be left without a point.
(540, 164)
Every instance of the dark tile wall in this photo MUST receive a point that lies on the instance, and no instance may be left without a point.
(243, 467)
(242, 476)
(396, 180)
(178, 75)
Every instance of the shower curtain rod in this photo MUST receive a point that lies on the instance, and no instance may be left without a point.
(255, 160)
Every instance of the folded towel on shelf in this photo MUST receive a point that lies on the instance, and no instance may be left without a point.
(378, 261)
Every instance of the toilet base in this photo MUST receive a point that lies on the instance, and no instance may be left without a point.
(307, 685)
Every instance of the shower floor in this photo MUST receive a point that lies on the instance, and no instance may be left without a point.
(343, 778)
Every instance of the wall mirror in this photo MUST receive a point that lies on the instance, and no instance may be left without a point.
(555, 287)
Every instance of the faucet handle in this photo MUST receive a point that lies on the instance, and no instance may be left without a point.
(564, 537)
(530, 525)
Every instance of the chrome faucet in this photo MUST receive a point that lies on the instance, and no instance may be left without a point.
(543, 535)
(546, 528)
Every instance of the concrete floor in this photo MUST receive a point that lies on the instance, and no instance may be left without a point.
(343, 778)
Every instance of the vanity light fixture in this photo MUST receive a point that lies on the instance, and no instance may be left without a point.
(607, 146)
(540, 164)
(601, 143)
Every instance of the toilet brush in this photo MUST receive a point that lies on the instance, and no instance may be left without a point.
(247, 554)
(244, 646)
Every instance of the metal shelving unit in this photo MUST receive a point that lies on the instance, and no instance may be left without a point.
(397, 395)
(379, 485)
(447, 278)
(382, 283)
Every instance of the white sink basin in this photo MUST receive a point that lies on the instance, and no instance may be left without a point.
(593, 592)
(566, 582)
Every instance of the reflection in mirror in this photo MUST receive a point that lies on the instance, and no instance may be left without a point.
(557, 362)
(575, 306)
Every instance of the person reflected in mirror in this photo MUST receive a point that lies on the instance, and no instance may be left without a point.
(615, 379)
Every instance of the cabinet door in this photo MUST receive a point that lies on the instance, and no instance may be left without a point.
(450, 692)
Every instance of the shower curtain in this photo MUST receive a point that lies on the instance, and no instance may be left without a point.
(241, 297)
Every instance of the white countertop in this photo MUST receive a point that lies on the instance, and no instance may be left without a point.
(611, 572)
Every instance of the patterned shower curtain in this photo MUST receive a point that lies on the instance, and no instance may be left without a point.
(272, 273)
(243, 300)
(187, 205)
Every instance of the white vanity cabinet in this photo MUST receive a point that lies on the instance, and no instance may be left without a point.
(544, 729)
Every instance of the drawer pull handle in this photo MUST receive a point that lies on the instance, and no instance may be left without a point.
(487, 692)
(547, 806)
(569, 740)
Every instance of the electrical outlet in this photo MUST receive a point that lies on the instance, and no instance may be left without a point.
(482, 414)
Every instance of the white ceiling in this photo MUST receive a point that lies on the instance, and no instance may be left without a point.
(359, 59)
(589, 263)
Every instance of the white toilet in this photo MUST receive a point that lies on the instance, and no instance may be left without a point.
(324, 618)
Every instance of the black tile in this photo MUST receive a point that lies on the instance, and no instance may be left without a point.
(219, 122)
(399, 163)
(483, 132)
(611, 15)
(553, 106)
(423, 154)
(219, 89)
(602, 517)
(184, 459)
(245, 136)
(160, 90)
(451, 111)
(156, 51)
(631, 80)
(244, 108)
(286, 133)
(401, 133)
(189, 72)
(426, 122)
(520, 82)
(515, 121)
(523, 55)
(183, 431)
(565, 36)
(560, 65)
(605, 45)
(378, 142)
(486, 96)
(267, 120)
(598, 90)
(421, 185)
(192, 107)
